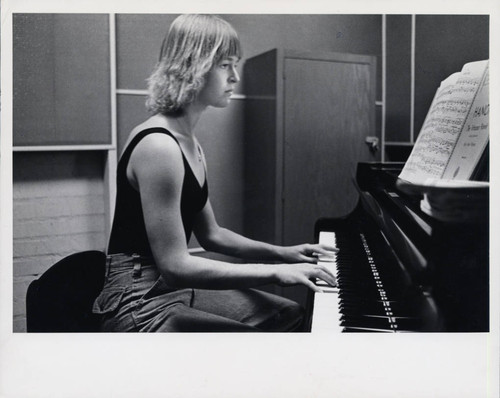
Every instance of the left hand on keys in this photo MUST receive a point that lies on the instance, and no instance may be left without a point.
(307, 252)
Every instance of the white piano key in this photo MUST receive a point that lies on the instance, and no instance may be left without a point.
(330, 289)
(330, 262)
(326, 314)
(327, 258)
(327, 237)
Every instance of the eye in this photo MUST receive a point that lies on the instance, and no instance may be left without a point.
(226, 64)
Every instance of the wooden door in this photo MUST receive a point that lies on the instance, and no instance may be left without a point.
(329, 111)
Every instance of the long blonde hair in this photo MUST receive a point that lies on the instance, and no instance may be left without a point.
(193, 44)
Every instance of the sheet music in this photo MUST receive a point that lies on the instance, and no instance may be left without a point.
(445, 121)
(474, 137)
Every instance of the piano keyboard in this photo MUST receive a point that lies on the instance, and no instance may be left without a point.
(326, 316)
(361, 302)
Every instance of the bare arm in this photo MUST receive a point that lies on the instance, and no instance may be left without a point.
(158, 171)
(215, 238)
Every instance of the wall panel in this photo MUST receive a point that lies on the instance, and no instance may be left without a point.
(130, 112)
(61, 79)
(443, 44)
(398, 70)
(138, 42)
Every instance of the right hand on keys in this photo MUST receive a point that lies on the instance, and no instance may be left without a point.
(303, 273)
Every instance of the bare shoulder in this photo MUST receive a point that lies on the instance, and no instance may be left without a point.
(152, 122)
(157, 150)
(156, 157)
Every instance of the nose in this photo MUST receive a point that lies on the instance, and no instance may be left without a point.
(234, 77)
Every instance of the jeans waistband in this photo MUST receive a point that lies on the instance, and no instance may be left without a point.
(129, 261)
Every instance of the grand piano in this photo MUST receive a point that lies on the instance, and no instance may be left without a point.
(399, 269)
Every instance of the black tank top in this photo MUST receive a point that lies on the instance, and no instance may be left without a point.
(128, 233)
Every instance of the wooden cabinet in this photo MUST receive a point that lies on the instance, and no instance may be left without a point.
(307, 118)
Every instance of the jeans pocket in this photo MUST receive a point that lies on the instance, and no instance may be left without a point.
(158, 288)
(109, 300)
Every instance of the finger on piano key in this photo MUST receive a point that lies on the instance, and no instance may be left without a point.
(330, 266)
(327, 238)
(326, 306)
(325, 287)
(326, 258)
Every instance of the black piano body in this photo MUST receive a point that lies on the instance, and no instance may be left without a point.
(401, 270)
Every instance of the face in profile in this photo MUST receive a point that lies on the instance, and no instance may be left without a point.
(220, 83)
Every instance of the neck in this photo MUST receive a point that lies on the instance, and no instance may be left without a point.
(188, 120)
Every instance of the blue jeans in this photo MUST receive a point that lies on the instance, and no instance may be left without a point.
(135, 298)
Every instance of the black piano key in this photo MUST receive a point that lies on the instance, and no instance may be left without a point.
(367, 321)
(375, 307)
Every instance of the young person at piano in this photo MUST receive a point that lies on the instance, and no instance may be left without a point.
(153, 284)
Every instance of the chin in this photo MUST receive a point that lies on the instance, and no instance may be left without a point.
(221, 104)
